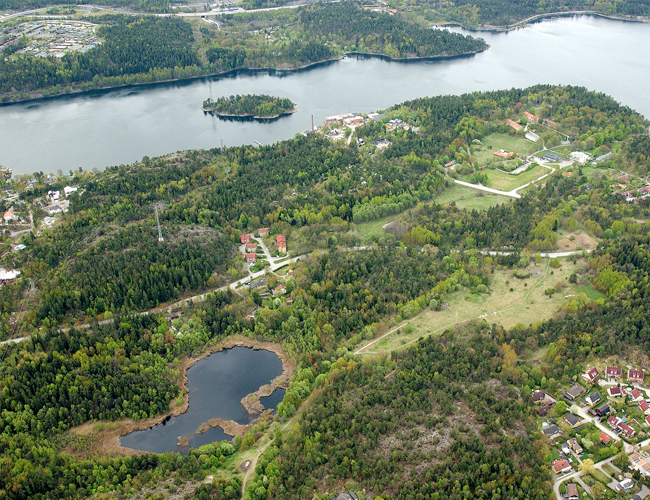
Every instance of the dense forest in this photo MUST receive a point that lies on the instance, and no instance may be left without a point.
(430, 422)
(146, 49)
(259, 106)
(139, 5)
(419, 416)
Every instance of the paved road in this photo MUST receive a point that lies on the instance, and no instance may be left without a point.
(480, 187)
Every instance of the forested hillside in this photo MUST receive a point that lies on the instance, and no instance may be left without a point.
(141, 49)
(449, 415)
(140, 5)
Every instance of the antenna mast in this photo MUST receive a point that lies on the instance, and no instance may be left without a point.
(160, 238)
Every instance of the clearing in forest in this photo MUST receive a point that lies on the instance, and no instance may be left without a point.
(516, 144)
(526, 304)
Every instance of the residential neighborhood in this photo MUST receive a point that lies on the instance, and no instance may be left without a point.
(599, 433)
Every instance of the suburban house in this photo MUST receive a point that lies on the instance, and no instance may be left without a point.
(538, 396)
(9, 216)
(532, 137)
(68, 190)
(572, 420)
(604, 157)
(514, 125)
(613, 422)
(543, 410)
(251, 257)
(245, 238)
(263, 231)
(635, 376)
(561, 466)
(282, 243)
(450, 164)
(613, 372)
(574, 392)
(647, 420)
(625, 485)
(591, 375)
(644, 407)
(604, 438)
(593, 398)
(251, 247)
(573, 443)
(531, 117)
(601, 411)
(572, 492)
(551, 430)
(626, 429)
(280, 289)
(616, 392)
(636, 395)
(550, 123)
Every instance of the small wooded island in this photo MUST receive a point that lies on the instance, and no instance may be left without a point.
(250, 106)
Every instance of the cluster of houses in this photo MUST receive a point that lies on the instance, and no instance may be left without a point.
(347, 120)
(633, 194)
(396, 124)
(640, 463)
(58, 204)
(250, 246)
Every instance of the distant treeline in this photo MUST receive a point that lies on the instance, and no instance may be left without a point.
(142, 5)
(263, 106)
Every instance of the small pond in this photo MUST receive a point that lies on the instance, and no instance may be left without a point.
(216, 386)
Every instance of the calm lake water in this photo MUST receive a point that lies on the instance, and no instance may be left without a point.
(216, 385)
(122, 126)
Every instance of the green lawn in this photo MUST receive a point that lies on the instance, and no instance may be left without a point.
(374, 227)
(508, 182)
(503, 141)
(609, 470)
(599, 476)
(590, 292)
(469, 198)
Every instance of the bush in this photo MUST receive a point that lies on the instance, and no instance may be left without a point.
(554, 263)
(573, 278)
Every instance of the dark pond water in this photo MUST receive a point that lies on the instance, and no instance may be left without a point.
(216, 385)
(122, 126)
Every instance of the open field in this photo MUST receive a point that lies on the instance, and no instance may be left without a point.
(508, 182)
(374, 227)
(502, 141)
(469, 198)
(526, 304)
(578, 240)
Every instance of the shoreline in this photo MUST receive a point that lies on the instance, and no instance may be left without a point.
(226, 116)
(488, 28)
(279, 71)
(109, 439)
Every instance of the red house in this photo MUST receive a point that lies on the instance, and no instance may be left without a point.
(245, 238)
(282, 243)
(604, 438)
(514, 125)
(251, 247)
(591, 375)
(251, 257)
(531, 117)
(636, 395)
(263, 231)
(280, 289)
(561, 466)
(635, 376)
(626, 429)
(613, 372)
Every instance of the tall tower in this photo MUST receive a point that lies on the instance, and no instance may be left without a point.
(160, 238)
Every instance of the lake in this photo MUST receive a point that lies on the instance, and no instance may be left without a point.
(123, 125)
(216, 386)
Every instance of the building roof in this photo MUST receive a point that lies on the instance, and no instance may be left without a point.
(613, 371)
(572, 419)
(591, 374)
(604, 437)
(251, 256)
(626, 429)
(550, 430)
(635, 374)
(561, 465)
(594, 397)
(644, 406)
(636, 394)
(575, 391)
(538, 396)
(571, 490)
